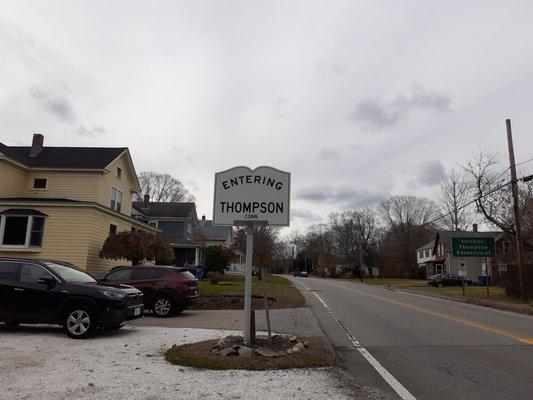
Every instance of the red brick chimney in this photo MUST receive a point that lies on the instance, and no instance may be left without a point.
(37, 145)
(146, 199)
(474, 228)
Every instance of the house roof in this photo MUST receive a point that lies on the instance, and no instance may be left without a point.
(212, 232)
(428, 245)
(166, 210)
(39, 200)
(23, 211)
(445, 237)
(64, 157)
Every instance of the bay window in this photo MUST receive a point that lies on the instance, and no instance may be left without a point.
(21, 229)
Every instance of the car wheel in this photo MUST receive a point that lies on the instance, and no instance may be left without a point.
(79, 322)
(162, 306)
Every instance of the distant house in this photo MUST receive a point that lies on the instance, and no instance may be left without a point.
(425, 258)
(62, 202)
(473, 266)
(213, 235)
(178, 222)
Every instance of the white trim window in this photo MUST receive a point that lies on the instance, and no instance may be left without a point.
(19, 231)
(116, 199)
(39, 183)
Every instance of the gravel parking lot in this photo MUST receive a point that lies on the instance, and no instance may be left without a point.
(40, 362)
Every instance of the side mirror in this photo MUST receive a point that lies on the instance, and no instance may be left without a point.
(103, 279)
(47, 280)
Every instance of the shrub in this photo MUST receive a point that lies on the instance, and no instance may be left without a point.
(214, 277)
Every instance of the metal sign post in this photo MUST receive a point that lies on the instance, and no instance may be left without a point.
(248, 283)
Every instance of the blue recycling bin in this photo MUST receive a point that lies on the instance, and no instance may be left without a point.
(483, 280)
(199, 273)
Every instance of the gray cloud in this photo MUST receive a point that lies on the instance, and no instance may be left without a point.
(278, 108)
(181, 151)
(430, 173)
(305, 215)
(329, 155)
(53, 103)
(193, 185)
(94, 131)
(325, 69)
(382, 114)
(345, 196)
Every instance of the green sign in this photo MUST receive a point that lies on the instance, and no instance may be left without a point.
(473, 247)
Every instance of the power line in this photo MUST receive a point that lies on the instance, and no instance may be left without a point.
(523, 179)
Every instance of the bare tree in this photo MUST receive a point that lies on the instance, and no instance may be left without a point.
(355, 234)
(493, 196)
(162, 188)
(409, 223)
(454, 195)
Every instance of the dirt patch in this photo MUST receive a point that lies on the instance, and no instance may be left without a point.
(230, 302)
(204, 354)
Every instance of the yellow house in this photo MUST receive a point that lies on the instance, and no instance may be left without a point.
(61, 203)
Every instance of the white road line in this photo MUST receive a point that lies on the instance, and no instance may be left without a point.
(386, 375)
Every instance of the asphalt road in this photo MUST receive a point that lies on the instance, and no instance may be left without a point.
(417, 347)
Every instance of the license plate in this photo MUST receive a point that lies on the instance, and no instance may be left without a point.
(137, 311)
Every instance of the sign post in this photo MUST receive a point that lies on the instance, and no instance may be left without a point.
(250, 198)
(248, 283)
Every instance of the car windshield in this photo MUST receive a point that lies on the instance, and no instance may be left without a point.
(70, 274)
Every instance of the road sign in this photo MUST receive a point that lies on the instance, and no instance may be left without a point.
(473, 246)
(244, 196)
(461, 273)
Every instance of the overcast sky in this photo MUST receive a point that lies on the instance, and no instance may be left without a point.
(358, 100)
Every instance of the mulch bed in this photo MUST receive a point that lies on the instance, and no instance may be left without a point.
(229, 302)
(201, 354)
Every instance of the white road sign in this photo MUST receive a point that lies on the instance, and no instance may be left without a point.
(246, 195)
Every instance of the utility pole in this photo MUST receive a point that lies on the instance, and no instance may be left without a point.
(361, 259)
(518, 226)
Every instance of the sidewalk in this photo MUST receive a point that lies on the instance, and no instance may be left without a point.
(296, 321)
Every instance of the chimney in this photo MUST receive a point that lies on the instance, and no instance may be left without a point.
(146, 199)
(37, 145)
(203, 217)
(474, 228)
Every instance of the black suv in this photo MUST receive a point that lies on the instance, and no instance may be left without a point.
(56, 292)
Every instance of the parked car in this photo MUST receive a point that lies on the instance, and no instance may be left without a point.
(167, 290)
(56, 292)
(445, 280)
(304, 274)
(296, 273)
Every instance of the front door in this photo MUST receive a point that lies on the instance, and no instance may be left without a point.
(36, 301)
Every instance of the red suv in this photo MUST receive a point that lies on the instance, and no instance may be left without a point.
(167, 290)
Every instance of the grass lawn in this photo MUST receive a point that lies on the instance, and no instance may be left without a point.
(281, 289)
(473, 294)
(478, 295)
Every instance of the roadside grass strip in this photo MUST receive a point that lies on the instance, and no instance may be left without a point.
(382, 371)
